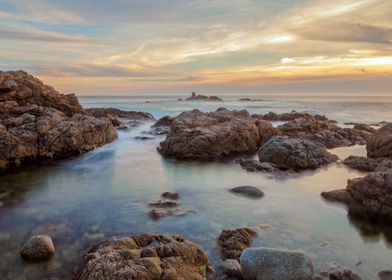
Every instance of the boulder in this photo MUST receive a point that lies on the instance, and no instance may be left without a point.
(200, 97)
(216, 135)
(147, 256)
(361, 163)
(248, 191)
(380, 143)
(294, 154)
(368, 197)
(364, 127)
(38, 248)
(162, 126)
(232, 268)
(233, 241)
(44, 124)
(271, 116)
(253, 165)
(274, 264)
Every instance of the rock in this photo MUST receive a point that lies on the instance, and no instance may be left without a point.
(368, 164)
(200, 97)
(271, 116)
(156, 214)
(248, 191)
(164, 204)
(37, 248)
(43, 124)
(146, 256)
(368, 197)
(294, 154)
(385, 275)
(162, 126)
(274, 264)
(232, 268)
(336, 272)
(144, 138)
(216, 135)
(171, 195)
(380, 143)
(233, 242)
(255, 165)
(364, 127)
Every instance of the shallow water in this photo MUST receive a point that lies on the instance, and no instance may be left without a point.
(105, 192)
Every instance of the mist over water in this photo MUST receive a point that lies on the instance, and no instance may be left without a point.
(106, 192)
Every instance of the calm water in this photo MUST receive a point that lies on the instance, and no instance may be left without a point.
(105, 192)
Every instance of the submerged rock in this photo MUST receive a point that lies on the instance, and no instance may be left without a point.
(380, 143)
(248, 191)
(233, 241)
(275, 264)
(294, 154)
(147, 256)
(368, 197)
(336, 272)
(171, 195)
(37, 123)
(200, 97)
(37, 248)
(206, 136)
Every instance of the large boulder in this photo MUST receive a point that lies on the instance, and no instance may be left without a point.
(368, 197)
(206, 136)
(38, 248)
(44, 124)
(368, 164)
(380, 143)
(147, 256)
(274, 264)
(295, 154)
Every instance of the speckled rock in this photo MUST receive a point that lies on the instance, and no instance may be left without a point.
(37, 248)
(274, 264)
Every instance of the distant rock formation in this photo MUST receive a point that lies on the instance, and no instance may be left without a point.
(37, 123)
(200, 97)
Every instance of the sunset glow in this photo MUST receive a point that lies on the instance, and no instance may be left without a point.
(132, 47)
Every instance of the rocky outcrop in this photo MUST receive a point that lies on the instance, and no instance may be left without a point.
(380, 143)
(37, 123)
(248, 191)
(294, 154)
(233, 241)
(206, 136)
(117, 116)
(275, 264)
(200, 97)
(325, 132)
(271, 116)
(368, 197)
(162, 126)
(147, 256)
(364, 127)
(368, 164)
(38, 248)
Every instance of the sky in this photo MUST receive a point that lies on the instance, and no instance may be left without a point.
(214, 47)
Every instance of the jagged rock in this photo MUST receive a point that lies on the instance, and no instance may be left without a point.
(233, 241)
(248, 191)
(147, 256)
(44, 124)
(380, 143)
(275, 264)
(364, 127)
(200, 97)
(206, 136)
(361, 163)
(37, 248)
(271, 116)
(294, 154)
(162, 126)
(368, 197)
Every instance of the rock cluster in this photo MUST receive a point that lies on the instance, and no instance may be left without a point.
(294, 154)
(200, 97)
(147, 256)
(380, 143)
(336, 272)
(38, 123)
(368, 197)
(168, 205)
(206, 136)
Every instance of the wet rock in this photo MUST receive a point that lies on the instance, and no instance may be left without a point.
(364, 127)
(380, 143)
(385, 275)
(133, 115)
(368, 164)
(207, 136)
(336, 272)
(233, 241)
(164, 204)
(294, 154)
(232, 268)
(252, 165)
(162, 126)
(248, 191)
(368, 197)
(157, 214)
(37, 123)
(271, 116)
(171, 195)
(37, 248)
(144, 138)
(127, 258)
(275, 264)
(200, 97)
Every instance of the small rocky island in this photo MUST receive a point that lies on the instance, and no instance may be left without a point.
(200, 97)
